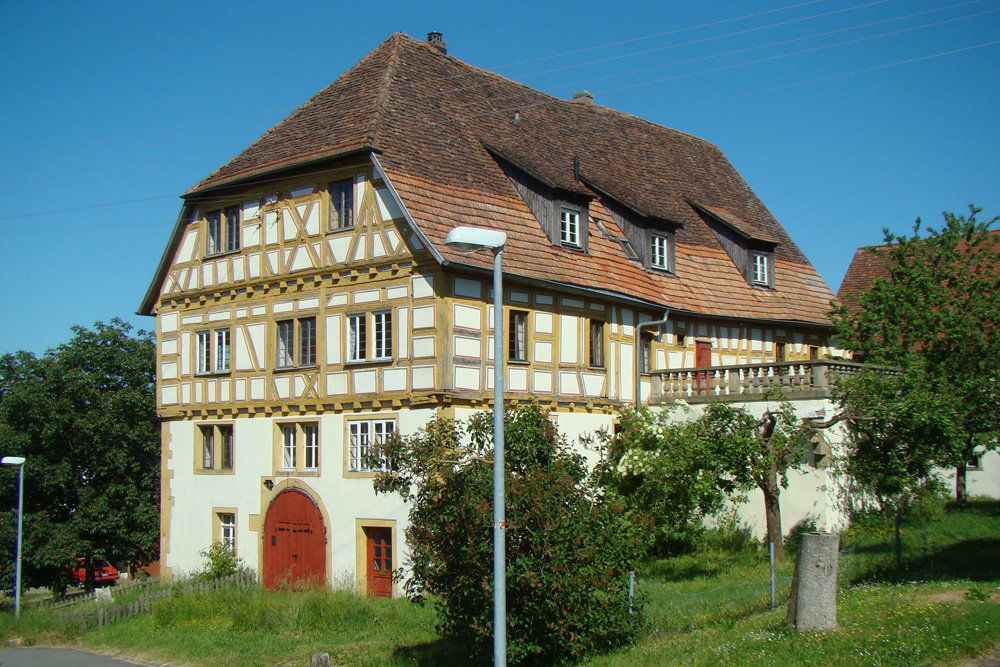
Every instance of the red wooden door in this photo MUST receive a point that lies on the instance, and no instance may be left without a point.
(702, 358)
(379, 561)
(294, 542)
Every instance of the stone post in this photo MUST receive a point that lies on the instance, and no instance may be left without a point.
(813, 603)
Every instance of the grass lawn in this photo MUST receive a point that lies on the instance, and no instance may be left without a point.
(711, 608)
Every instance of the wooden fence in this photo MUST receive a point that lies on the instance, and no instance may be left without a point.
(93, 618)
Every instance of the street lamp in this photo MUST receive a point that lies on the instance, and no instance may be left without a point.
(17, 461)
(468, 240)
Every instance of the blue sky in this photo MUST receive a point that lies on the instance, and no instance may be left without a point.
(845, 116)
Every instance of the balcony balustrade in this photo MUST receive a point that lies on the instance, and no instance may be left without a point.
(749, 382)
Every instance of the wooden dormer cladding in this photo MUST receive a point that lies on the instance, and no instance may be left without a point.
(751, 251)
(641, 230)
(548, 203)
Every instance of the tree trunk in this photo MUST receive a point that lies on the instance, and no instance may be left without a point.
(960, 495)
(772, 511)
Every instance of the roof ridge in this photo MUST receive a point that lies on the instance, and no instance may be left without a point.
(382, 93)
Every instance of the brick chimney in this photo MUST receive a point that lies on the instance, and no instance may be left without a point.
(583, 97)
(436, 40)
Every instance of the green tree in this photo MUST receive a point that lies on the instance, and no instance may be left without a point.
(84, 416)
(668, 475)
(757, 452)
(569, 545)
(934, 319)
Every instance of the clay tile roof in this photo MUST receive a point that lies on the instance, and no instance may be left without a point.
(438, 126)
(867, 266)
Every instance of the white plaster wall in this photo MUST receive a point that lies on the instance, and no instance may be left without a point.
(342, 499)
(978, 483)
(812, 494)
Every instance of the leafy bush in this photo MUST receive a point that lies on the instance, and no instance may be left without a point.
(220, 561)
(569, 545)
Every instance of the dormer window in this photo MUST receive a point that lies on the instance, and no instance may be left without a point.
(661, 252)
(569, 227)
(760, 269)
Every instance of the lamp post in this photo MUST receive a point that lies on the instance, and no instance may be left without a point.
(19, 462)
(468, 240)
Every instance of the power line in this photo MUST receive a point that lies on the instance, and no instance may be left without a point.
(259, 113)
(713, 38)
(659, 34)
(797, 39)
(795, 53)
(261, 193)
(143, 134)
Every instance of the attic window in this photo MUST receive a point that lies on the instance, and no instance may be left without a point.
(661, 252)
(341, 204)
(569, 227)
(223, 231)
(760, 269)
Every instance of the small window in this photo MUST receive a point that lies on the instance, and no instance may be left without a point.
(341, 205)
(974, 462)
(363, 436)
(227, 530)
(357, 340)
(226, 442)
(296, 343)
(382, 334)
(569, 227)
(299, 447)
(217, 448)
(212, 349)
(761, 273)
(208, 447)
(358, 328)
(310, 446)
(659, 255)
(517, 344)
(596, 349)
(646, 354)
(223, 231)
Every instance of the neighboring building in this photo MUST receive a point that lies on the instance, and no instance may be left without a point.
(307, 305)
(983, 470)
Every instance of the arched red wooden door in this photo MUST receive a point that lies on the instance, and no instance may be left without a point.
(294, 542)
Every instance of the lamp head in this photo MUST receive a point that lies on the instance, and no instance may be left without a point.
(12, 460)
(473, 239)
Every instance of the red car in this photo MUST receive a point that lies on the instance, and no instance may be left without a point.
(105, 573)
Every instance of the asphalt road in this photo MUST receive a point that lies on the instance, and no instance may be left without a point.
(57, 657)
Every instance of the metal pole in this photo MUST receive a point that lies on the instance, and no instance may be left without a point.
(631, 590)
(899, 545)
(20, 519)
(499, 515)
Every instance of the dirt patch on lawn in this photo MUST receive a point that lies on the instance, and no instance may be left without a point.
(953, 597)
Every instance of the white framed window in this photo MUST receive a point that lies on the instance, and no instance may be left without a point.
(362, 436)
(761, 275)
(341, 204)
(357, 337)
(646, 353)
(595, 355)
(298, 447)
(223, 230)
(296, 342)
(310, 446)
(208, 447)
(379, 329)
(517, 343)
(288, 446)
(382, 334)
(569, 227)
(212, 350)
(659, 252)
(227, 530)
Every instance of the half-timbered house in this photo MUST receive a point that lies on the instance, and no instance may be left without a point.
(307, 305)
